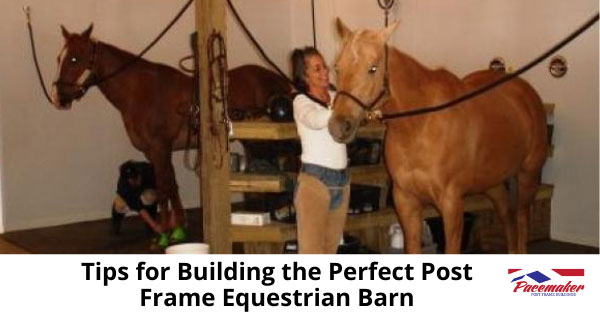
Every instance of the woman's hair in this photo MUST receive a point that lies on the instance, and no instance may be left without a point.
(299, 56)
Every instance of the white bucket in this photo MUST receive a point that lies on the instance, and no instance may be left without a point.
(188, 248)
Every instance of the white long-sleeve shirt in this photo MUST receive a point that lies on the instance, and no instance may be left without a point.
(318, 147)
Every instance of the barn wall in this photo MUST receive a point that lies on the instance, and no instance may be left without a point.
(58, 167)
(464, 35)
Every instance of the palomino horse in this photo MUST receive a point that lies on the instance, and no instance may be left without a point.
(440, 157)
(154, 101)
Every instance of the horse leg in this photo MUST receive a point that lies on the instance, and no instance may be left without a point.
(171, 189)
(178, 215)
(528, 183)
(451, 207)
(409, 211)
(160, 163)
(499, 197)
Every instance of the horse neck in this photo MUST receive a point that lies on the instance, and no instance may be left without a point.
(409, 81)
(108, 60)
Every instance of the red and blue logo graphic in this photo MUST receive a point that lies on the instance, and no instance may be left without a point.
(552, 282)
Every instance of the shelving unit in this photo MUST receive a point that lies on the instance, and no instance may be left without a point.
(276, 234)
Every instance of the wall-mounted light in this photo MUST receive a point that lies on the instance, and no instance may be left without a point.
(498, 64)
(558, 66)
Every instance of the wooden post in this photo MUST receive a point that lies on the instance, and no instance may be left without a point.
(214, 185)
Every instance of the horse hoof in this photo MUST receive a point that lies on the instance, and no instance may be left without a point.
(178, 235)
(163, 240)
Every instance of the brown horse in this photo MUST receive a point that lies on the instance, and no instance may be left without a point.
(440, 157)
(154, 100)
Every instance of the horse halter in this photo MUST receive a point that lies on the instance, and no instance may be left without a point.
(85, 80)
(369, 107)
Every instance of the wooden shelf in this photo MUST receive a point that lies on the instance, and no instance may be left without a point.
(267, 130)
(274, 232)
(280, 232)
(259, 130)
(263, 130)
(252, 182)
(474, 203)
(245, 182)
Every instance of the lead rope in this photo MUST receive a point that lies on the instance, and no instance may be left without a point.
(496, 83)
(27, 11)
(314, 27)
(194, 112)
(218, 87)
(385, 5)
(264, 55)
(122, 68)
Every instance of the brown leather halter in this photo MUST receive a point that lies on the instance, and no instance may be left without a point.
(82, 88)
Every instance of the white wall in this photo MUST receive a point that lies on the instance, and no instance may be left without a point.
(270, 23)
(58, 167)
(464, 35)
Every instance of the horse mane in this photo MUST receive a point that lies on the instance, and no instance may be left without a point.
(421, 81)
(417, 69)
(125, 57)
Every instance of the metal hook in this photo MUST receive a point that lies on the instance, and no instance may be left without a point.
(27, 11)
(385, 4)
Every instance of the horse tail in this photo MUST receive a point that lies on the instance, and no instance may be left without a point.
(539, 144)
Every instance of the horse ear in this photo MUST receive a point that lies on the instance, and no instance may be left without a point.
(387, 32)
(88, 31)
(342, 30)
(65, 33)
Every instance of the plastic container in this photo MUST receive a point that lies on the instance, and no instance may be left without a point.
(188, 248)
(396, 239)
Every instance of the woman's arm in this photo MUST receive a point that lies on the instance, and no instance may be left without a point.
(310, 114)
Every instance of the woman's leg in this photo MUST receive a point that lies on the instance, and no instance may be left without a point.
(119, 209)
(336, 220)
(311, 200)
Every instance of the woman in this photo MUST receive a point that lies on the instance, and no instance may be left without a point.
(323, 189)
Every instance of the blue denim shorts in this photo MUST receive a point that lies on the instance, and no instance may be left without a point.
(335, 180)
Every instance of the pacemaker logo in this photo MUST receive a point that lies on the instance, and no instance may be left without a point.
(552, 282)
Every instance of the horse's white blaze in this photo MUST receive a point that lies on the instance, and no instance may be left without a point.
(84, 75)
(54, 92)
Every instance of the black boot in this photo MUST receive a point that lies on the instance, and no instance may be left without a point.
(117, 218)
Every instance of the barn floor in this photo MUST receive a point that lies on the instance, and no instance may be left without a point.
(95, 237)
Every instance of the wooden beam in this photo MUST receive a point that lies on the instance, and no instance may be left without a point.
(214, 173)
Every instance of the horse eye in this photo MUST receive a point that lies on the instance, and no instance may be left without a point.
(73, 60)
(373, 69)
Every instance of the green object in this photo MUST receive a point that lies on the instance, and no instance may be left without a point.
(163, 240)
(178, 235)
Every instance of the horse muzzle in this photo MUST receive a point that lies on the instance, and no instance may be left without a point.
(58, 100)
(62, 99)
(342, 129)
